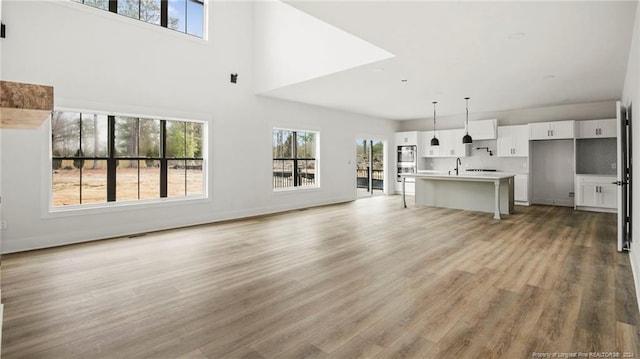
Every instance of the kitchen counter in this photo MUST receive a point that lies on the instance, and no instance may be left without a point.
(476, 191)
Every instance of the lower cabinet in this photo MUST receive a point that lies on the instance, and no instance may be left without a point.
(595, 192)
(521, 188)
(409, 189)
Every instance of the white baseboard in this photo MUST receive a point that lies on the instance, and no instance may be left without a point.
(596, 209)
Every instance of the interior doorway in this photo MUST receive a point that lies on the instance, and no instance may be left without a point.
(369, 168)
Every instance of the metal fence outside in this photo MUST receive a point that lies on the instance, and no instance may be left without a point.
(362, 176)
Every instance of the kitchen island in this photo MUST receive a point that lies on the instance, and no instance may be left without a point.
(483, 192)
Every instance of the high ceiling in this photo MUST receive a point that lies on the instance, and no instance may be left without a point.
(503, 54)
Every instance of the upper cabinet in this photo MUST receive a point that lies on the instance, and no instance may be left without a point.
(551, 130)
(430, 151)
(409, 138)
(483, 129)
(513, 141)
(450, 144)
(596, 128)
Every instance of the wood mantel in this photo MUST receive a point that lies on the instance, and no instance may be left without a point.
(24, 106)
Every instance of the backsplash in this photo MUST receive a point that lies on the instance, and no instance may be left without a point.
(480, 159)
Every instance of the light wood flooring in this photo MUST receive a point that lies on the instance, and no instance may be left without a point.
(365, 279)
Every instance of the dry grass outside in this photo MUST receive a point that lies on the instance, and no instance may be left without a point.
(66, 184)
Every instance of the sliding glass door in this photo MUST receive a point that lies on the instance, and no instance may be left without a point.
(369, 167)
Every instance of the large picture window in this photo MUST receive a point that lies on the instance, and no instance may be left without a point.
(108, 158)
(181, 15)
(294, 159)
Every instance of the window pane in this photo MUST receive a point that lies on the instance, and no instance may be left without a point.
(176, 178)
(193, 143)
(282, 144)
(306, 145)
(195, 17)
(177, 15)
(130, 8)
(149, 143)
(65, 133)
(94, 181)
(149, 179)
(175, 139)
(127, 180)
(126, 136)
(282, 173)
(194, 177)
(306, 173)
(150, 11)
(94, 135)
(66, 184)
(101, 4)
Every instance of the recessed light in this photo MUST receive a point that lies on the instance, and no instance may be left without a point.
(517, 36)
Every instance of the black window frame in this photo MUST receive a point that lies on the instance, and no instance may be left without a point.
(298, 181)
(164, 14)
(112, 159)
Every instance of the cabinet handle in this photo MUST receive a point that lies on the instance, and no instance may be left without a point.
(551, 133)
(548, 133)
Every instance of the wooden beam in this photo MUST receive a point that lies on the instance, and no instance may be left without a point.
(24, 106)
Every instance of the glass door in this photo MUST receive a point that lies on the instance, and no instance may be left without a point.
(369, 167)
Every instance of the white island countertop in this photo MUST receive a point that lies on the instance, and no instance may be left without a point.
(463, 176)
(483, 191)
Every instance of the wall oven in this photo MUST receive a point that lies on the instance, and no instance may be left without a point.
(407, 159)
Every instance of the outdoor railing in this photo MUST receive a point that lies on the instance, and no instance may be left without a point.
(362, 176)
(285, 180)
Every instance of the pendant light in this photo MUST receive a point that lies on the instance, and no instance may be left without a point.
(434, 140)
(467, 138)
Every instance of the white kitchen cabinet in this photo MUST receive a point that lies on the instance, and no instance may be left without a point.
(450, 144)
(406, 138)
(596, 192)
(521, 188)
(551, 130)
(513, 141)
(596, 128)
(483, 129)
(430, 151)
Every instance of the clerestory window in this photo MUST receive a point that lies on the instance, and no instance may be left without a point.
(187, 16)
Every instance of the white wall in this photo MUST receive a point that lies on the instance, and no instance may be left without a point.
(105, 62)
(580, 111)
(631, 96)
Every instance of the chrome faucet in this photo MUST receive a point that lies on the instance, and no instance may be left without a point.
(458, 162)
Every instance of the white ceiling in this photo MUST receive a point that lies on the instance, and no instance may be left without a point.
(504, 55)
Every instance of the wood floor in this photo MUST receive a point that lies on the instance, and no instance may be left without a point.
(365, 279)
